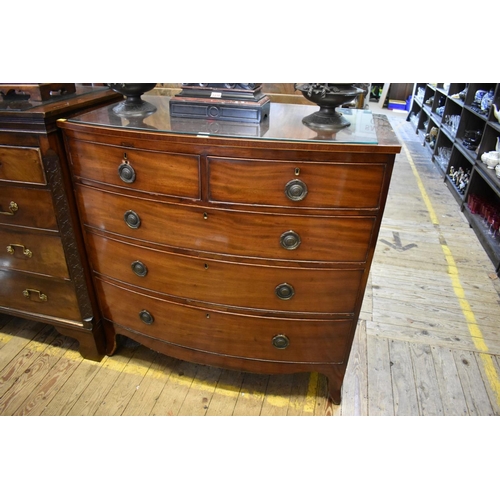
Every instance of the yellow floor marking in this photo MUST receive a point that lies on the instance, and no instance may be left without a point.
(4, 338)
(474, 330)
(311, 393)
(277, 401)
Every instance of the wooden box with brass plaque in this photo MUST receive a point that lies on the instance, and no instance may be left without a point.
(234, 102)
(43, 271)
(249, 252)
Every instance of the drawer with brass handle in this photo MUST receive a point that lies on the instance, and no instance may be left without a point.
(294, 184)
(31, 292)
(257, 235)
(32, 251)
(25, 250)
(170, 174)
(294, 289)
(21, 164)
(27, 207)
(11, 210)
(38, 295)
(227, 333)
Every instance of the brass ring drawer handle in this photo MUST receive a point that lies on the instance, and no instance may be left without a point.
(13, 208)
(126, 173)
(139, 268)
(296, 190)
(132, 219)
(12, 248)
(41, 296)
(146, 317)
(290, 240)
(281, 341)
(284, 291)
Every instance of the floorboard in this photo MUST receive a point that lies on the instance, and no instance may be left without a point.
(152, 385)
(224, 398)
(251, 396)
(128, 383)
(476, 395)
(427, 388)
(380, 392)
(52, 382)
(94, 396)
(201, 392)
(175, 390)
(403, 379)
(355, 386)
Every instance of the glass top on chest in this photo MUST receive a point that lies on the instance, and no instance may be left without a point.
(284, 122)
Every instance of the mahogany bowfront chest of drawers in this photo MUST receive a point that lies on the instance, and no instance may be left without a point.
(240, 246)
(44, 274)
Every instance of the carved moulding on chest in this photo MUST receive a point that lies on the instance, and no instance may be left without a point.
(67, 231)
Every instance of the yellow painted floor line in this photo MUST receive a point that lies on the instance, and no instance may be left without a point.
(311, 393)
(474, 329)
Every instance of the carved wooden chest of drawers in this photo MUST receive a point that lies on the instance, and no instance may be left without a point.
(248, 252)
(44, 274)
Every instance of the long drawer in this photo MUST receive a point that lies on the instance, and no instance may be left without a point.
(27, 207)
(295, 184)
(32, 251)
(165, 173)
(261, 287)
(39, 295)
(251, 234)
(245, 336)
(21, 164)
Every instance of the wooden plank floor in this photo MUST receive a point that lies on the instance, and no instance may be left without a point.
(427, 343)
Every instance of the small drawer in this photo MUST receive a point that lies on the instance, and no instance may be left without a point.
(247, 234)
(169, 174)
(314, 290)
(27, 207)
(33, 252)
(293, 184)
(226, 333)
(38, 295)
(21, 164)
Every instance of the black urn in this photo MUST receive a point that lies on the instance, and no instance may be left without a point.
(328, 96)
(133, 105)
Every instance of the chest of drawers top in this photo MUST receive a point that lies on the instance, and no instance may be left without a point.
(282, 130)
(278, 163)
(22, 115)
